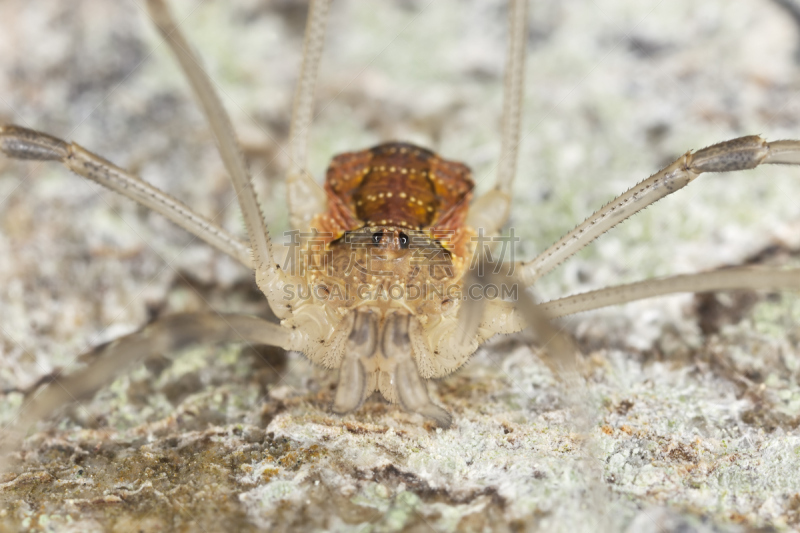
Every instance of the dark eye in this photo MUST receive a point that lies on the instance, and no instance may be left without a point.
(404, 240)
(377, 237)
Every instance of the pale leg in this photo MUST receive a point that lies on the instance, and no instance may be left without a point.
(106, 362)
(268, 275)
(22, 143)
(737, 154)
(490, 211)
(306, 198)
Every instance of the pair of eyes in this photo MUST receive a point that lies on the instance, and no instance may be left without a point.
(377, 237)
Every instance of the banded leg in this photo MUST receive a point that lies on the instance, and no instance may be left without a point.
(491, 210)
(106, 362)
(306, 198)
(737, 154)
(269, 277)
(22, 143)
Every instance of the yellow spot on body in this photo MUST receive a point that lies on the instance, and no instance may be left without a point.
(419, 202)
(383, 222)
(403, 171)
(392, 169)
(359, 202)
(413, 199)
(388, 195)
(402, 195)
(380, 195)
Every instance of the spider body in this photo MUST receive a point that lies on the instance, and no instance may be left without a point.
(393, 247)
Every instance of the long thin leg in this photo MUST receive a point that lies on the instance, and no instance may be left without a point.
(22, 143)
(513, 89)
(306, 198)
(507, 317)
(268, 273)
(721, 280)
(491, 210)
(108, 361)
(737, 154)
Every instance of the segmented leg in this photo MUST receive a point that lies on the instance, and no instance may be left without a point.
(721, 280)
(306, 198)
(22, 143)
(507, 317)
(490, 211)
(513, 89)
(737, 154)
(108, 361)
(268, 274)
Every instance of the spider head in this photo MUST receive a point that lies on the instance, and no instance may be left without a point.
(387, 267)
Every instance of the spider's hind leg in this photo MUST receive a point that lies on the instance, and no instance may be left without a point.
(106, 362)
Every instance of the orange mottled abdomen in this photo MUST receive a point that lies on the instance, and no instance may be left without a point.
(396, 184)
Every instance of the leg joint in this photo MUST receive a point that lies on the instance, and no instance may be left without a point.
(737, 154)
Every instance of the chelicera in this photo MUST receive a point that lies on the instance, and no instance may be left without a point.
(393, 242)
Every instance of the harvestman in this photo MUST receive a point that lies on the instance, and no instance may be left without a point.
(392, 346)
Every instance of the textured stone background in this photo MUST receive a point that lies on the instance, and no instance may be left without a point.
(695, 404)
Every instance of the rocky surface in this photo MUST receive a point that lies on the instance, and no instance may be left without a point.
(692, 402)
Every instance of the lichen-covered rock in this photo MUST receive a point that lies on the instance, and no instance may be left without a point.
(688, 419)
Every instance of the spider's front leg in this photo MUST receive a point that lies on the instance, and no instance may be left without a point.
(22, 143)
(742, 153)
(737, 154)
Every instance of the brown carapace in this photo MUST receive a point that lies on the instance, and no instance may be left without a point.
(396, 185)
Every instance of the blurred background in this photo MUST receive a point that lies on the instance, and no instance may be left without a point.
(615, 90)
